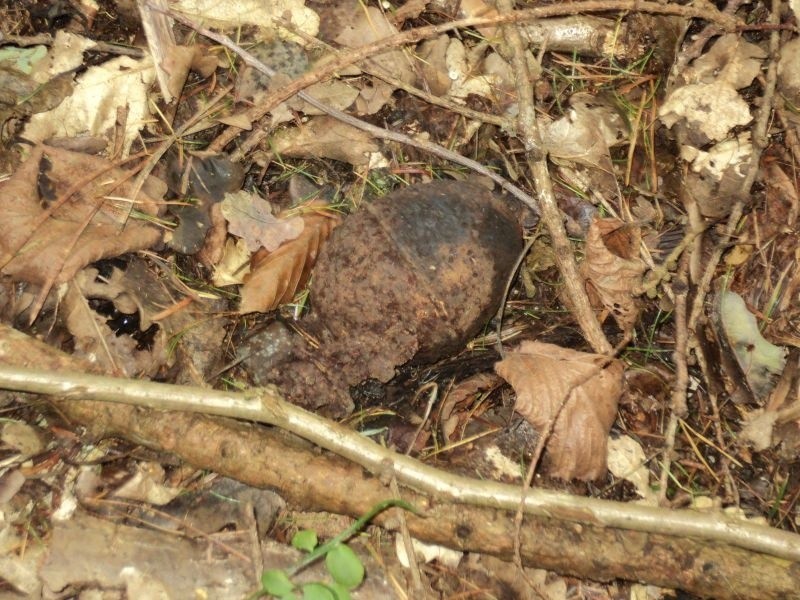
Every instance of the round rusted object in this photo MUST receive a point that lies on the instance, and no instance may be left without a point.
(414, 274)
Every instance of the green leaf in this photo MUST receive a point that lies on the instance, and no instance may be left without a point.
(340, 591)
(305, 540)
(345, 567)
(317, 591)
(276, 582)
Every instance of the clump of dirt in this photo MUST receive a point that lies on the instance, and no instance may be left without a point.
(412, 275)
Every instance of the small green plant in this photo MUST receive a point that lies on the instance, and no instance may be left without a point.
(344, 566)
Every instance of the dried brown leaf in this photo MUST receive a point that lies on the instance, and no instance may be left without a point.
(275, 277)
(96, 341)
(39, 247)
(369, 24)
(613, 270)
(573, 388)
(457, 407)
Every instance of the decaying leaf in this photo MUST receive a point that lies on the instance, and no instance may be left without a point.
(586, 132)
(34, 80)
(758, 429)
(289, 60)
(710, 89)
(98, 343)
(352, 24)
(731, 60)
(267, 14)
(40, 247)
(276, 276)
(250, 218)
(457, 407)
(718, 173)
(627, 460)
(431, 55)
(759, 360)
(92, 107)
(788, 73)
(613, 270)
(326, 137)
(576, 390)
(579, 144)
(234, 266)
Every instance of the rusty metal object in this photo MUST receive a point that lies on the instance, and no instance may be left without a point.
(411, 276)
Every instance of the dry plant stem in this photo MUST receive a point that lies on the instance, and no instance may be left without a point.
(731, 489)
(528, 131)
(699, 10)
(678, 409)
(160, 41)
(408, 544)
(509, 282)
(660, 272)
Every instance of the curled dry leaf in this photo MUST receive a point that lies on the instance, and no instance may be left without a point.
(576, 390)
(458, 405)
(276, 276)
(613, 270)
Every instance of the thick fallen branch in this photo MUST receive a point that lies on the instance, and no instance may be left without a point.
(702, 553)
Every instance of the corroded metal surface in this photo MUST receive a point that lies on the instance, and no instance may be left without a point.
(412, 275)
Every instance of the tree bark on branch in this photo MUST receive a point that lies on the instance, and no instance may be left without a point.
(268, 457)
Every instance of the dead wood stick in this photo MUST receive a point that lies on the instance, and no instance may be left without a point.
(270, 458)
(18, 356)
(530, 135)
(308, 480)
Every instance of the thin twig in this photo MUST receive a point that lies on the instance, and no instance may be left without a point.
(377, 132)
(528, 131)
(699, 10)
(678, 409)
